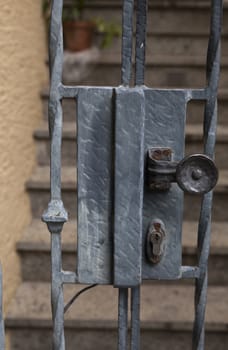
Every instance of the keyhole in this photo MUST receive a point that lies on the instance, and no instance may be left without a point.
(155, 243)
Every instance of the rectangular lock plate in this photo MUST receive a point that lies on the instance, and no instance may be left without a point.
(165, 128)
(129, 183)
(99, 132)
(95, 157)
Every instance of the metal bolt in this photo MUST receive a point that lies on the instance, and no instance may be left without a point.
(197, 174)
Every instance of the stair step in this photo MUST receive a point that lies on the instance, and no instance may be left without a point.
(171, 44)
(191, 4)
(195, 108)
(41, 135)
(161, 71)
(194, 143)
(39, 190)
(167, 316)
(174, 43)
(41, 179)
(158, 61)
(34, 250)
(37, 238)
(165, 15)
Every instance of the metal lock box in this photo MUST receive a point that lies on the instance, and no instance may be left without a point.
(116, 206)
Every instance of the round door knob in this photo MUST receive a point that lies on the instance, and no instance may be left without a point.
(197, 174)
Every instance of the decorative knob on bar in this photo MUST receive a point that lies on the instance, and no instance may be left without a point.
(196, 174)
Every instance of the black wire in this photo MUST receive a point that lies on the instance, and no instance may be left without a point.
(72, 300)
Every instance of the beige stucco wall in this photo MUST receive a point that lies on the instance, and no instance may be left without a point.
(22, 74)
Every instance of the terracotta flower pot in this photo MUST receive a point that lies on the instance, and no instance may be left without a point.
(78, 35)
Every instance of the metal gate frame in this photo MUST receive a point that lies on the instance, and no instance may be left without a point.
(56, 215)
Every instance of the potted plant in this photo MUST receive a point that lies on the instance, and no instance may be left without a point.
(78, 32)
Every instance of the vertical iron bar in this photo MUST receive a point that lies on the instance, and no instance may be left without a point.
(127, 41)
(126, 70)
(123, 319)
(142, 6)
(204, 233)
(57, 299)
(55, 216)
(135, 318)
(140, 50)
(210, 122)
(55, 106)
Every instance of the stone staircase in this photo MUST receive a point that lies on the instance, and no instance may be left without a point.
(177, 49)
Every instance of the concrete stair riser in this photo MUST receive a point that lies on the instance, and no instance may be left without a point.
(170, 44)
(221, 156)
(40, 198)
(34, 250)
(195, 109)
(169, 19)
(108, 74)
(37, 339)
(39, 192)
(68, 152)
(194, 144)
(92, 319)
(35, 266)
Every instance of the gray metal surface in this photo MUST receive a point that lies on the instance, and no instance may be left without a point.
(210, 122)
(95, 185)
(111, 129)
(56, 215)
(164, 109)
(123, 319)
(129, 184)
(135, 318)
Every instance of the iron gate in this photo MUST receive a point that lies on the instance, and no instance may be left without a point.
(131, 177)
